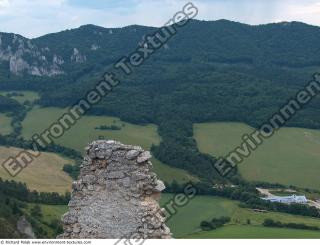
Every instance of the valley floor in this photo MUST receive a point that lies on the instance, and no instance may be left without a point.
(185, 223)
(287, 158)
(84, 132)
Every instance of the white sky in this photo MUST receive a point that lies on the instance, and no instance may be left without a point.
(32, 18)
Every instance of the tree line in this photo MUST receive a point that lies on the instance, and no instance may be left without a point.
(19, 191)
(278, 224)
(214, 224)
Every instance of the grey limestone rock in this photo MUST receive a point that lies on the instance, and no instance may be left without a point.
(143, 157)
(115, 196)
(25, 228)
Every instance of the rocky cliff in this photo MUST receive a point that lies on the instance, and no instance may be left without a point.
(116, 195)
(24, 57)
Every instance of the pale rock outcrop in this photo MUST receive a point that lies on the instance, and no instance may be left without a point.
(116, 195)
(17, 64)
(94, 47)
(25, 228)
(77, 56)
(25, 57)
(58, 60)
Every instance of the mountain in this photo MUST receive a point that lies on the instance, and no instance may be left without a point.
(209, 71)
(289, 44)
(56, 54)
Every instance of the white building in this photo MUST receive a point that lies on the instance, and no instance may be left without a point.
(288, 199)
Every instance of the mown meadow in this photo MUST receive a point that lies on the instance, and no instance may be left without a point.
(290, 157)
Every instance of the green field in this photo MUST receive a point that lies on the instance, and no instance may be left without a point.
(43, 174)
(5, 127)
(186, 221)
(51, 212)
(255, 232)
(26, 96)
(84, 132)
(290, 157)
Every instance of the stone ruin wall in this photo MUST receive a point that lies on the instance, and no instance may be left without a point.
(116, 195)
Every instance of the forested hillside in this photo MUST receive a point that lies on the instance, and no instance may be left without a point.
(210, 71)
